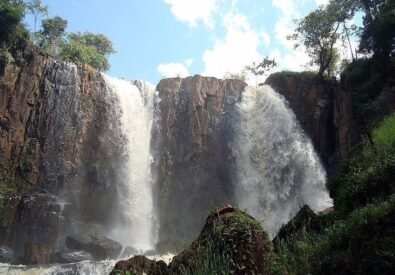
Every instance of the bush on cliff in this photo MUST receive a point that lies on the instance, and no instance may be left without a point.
(369, 172)
(364, 243)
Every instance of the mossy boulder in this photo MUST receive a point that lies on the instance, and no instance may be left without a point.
(231, 242)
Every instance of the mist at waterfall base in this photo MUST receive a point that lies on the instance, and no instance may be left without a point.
(276, 168)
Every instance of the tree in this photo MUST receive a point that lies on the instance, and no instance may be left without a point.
(11, 15)
(97, 40)
(52, 33)
(89, 48)
(378, 33)
(318, 32)
(37, 10)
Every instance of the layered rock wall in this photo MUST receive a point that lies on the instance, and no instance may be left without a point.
(60, 148)
(193, 155)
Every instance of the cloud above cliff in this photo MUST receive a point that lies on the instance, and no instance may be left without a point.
(238, 47)
(172, 70)
(192, 11)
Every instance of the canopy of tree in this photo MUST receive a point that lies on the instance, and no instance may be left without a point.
(52, 38)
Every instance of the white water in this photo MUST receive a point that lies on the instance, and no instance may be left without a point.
(81, 268)
(135, 193)
(278, 170)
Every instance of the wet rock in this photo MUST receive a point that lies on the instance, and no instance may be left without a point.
(54, 138)
(193, 147)
(71, 257)
(7, 255)
(100, 247)
(34, 217)
(141, 265)
(304, 220)
(38, 253)
(130, 251)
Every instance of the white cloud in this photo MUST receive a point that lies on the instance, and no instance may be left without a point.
(321, 2)
(237, 49)
(192, 11)
(285, 24)
(172, 70)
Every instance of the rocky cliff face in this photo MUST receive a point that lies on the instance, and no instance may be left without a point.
(312, 101)
(59, 145)
(193, 157)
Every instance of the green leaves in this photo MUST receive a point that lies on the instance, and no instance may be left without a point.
(89, 48)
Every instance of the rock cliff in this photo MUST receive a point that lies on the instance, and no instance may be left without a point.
(59, 145)
(193, 157)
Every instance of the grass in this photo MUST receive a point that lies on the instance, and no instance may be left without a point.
(362, 244)
(359, 236)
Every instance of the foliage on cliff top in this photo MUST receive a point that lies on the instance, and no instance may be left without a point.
(90, 48)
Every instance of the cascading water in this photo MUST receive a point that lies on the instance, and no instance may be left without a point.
(278, 170)
(135, 227)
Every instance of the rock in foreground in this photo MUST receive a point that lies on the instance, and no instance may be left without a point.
(231, 242)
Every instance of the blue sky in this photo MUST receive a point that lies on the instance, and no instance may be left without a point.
(164, 38)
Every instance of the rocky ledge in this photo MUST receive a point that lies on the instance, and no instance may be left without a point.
(231, 242)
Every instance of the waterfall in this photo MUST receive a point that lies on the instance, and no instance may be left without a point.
(135, 227)
(277, 170)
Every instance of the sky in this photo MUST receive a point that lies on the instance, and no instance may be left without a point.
(155, 39)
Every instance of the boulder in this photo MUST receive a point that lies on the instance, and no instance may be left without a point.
(231, 242)
(38, 253)
(7, 255)
(141, 265)
(100, 247)
(75, 256)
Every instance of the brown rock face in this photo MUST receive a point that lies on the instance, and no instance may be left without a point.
(59, 134)
(141, 265)
(193, 158)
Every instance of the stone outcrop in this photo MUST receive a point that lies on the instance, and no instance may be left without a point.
(193, 157)
(312, 101)
(7, 255)
(100, 247)
(60, 143)
(231, 242)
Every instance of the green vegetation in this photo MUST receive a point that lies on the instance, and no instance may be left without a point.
(321, 29)
(88, 48)
(293, 74)
(52, 38)
(369, 172)
(359, 236)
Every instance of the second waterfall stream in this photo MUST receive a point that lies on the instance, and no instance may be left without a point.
(135, 225)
